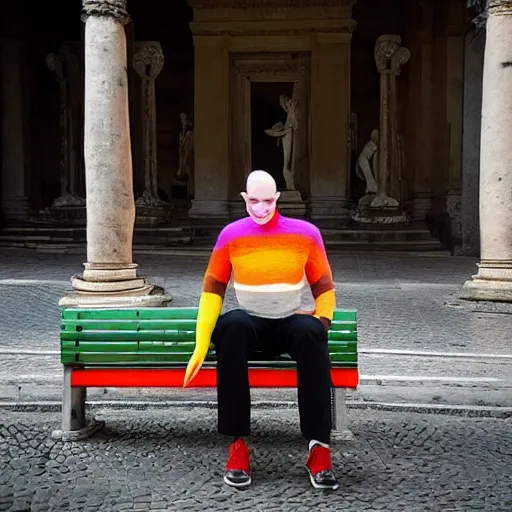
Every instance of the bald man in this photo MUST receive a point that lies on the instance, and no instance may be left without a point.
(271, 257)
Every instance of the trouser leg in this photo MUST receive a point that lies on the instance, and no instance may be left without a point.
(305, 339)
(236, 335)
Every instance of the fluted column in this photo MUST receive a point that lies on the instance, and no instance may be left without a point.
(494, 278)
(110, 276)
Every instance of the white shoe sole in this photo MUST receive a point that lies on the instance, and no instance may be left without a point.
(320, 486)
(238, 486)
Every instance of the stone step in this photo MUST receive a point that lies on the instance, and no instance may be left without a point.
(45, 236)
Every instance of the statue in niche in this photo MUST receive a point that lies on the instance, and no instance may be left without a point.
(390, 57)
(185, 172)
(285, 134)
(367, 166)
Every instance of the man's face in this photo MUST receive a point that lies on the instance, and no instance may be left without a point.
(260, 200)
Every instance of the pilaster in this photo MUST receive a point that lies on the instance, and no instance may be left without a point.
(14, 126)
(211, 127)
(330, 122)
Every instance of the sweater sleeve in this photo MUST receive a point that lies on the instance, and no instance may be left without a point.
(216, 279)
(319, 276)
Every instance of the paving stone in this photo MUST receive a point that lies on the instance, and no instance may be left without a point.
(389, 466)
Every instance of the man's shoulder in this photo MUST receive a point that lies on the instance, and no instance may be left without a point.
(232, 231)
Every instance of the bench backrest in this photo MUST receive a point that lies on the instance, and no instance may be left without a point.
(152, 336)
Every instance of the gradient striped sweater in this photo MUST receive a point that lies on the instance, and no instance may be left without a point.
(271, 264)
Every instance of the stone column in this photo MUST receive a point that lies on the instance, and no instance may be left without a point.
(15, 150)
(110, 276)
(65, 66)
(330, 124)
(494, 278)
(211, 128)
(148, 61)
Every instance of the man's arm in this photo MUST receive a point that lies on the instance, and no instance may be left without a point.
(215, 282)
(319, 276)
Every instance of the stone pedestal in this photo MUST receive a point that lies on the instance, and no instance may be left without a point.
(15, 156)
(494, 278)
(329, 211)
(110, 276)
(209, 210)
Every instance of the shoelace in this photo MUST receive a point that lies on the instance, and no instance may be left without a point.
(238, 457)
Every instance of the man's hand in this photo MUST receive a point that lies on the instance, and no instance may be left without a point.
(194, 364)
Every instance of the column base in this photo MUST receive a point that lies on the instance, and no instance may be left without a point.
(492, 283)
(209, 209)
(115, 286)
(329, 211)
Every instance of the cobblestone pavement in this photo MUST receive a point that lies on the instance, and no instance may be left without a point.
(161, 460)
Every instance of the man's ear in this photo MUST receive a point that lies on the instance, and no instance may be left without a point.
(277, 195)
(244, 195)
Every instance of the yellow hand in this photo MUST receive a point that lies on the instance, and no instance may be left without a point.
(194, 364)
(210, 306)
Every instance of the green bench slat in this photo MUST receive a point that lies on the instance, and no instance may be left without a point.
(114, 326)
(178, 357)
(163, 336)
(162, 314)
(120, 358)
(115, 336)
(131, 314)
(186, 347)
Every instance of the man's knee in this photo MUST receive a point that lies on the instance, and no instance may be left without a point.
(309, 338)
(232, 329)
(310, 327)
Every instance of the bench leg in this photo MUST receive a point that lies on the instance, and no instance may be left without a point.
(74, 422)
(340, 429)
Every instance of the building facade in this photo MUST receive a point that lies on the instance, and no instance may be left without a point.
(368, 114)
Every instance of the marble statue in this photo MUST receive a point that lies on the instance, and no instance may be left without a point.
(186, 154)
(367, 163)
(148, 62)
(285, 134)
(390, 57)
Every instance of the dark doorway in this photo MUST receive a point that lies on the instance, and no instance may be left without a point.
(266, 153)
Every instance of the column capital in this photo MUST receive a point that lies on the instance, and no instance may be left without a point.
(148, 58)
(115, 9)
(500, 7)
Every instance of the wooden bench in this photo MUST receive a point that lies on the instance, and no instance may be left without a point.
(150, 347)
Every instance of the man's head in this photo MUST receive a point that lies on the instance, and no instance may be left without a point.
(261, 196)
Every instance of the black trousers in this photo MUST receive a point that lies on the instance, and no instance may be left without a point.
(238, 335)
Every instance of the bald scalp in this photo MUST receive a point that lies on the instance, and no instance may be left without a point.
(260, 184)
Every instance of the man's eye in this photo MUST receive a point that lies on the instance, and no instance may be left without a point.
(254, 201)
